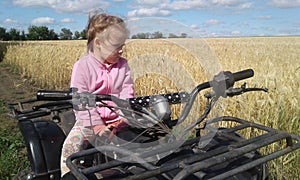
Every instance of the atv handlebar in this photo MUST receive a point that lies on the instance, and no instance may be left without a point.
(45, 95)
(172, 98)
(71, 98)
(243, 74)
(220, 83)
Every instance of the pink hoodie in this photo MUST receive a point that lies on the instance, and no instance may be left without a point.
(90, 75)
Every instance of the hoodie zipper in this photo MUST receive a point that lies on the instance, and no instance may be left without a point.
(107, 89)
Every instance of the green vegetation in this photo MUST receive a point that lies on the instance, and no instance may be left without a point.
(44, 33)
(12, 151)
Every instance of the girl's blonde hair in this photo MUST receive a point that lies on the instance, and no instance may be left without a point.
(98, 23)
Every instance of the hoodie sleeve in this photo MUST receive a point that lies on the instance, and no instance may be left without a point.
(79, 80)
(128, 87)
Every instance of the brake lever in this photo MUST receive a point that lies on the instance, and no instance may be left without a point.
(238, 91)
(256, 89)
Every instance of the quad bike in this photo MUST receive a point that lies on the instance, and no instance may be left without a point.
(146, 149)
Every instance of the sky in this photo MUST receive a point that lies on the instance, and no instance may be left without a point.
(197, 18)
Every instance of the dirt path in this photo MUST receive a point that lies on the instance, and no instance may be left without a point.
(13, 87)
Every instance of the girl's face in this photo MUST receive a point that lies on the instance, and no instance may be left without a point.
(111, 54)
(111, 43)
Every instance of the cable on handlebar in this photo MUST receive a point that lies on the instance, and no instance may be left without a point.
(237, 76)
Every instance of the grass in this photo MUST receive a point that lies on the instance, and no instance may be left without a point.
(12, 152)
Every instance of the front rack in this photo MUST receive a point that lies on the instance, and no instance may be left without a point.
(203, 159)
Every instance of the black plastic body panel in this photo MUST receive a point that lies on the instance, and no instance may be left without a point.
(43, 141)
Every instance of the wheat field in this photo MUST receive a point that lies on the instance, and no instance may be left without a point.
(171, 65)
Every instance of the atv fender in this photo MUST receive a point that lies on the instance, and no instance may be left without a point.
(44, 140)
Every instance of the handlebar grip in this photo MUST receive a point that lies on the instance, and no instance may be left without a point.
(54, 95)
(243, 74)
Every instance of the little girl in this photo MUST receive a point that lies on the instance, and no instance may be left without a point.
(102, 71)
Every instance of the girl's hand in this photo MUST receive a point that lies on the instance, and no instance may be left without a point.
(105, 132)
(111, 129)
(101, 130)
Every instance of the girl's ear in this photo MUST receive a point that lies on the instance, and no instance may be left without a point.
(97, 42)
